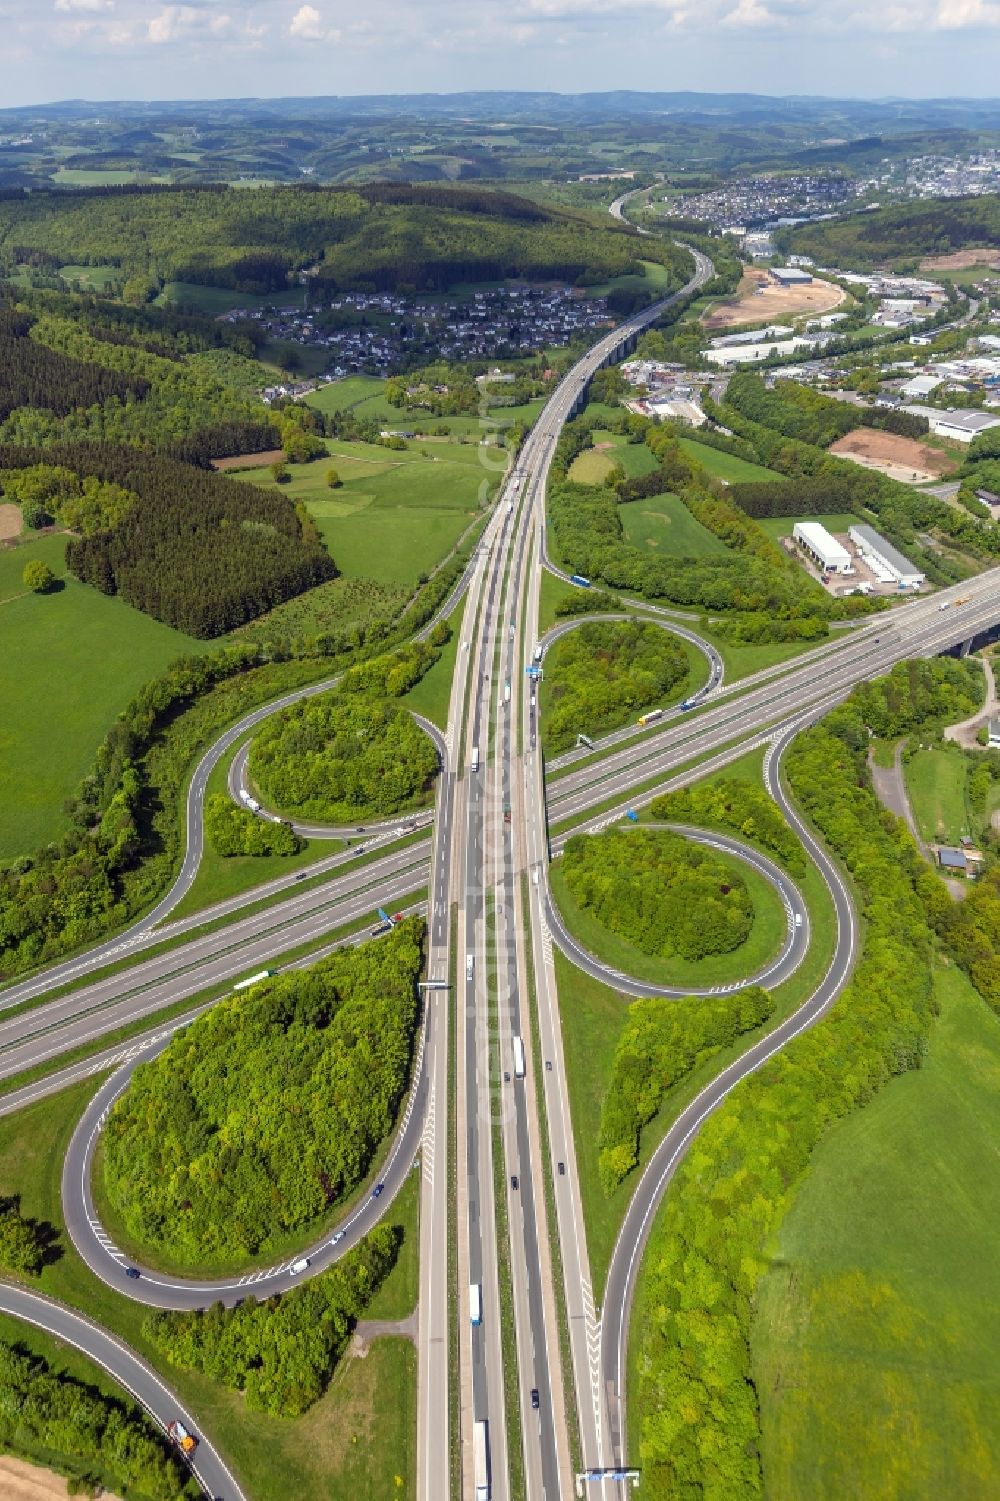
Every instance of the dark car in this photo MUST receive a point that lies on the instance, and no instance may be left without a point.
(548, 1065)
(513, 1181)
(534, 1398)
(562, 1169)
(506, 1076)
(133, 1272)
(377, 1190)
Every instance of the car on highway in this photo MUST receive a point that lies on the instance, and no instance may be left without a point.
(133, 1272)
(535, 1399)
(548, 1065)
(377, 1190)
(299, 1266)
(506, 1076)
(562, 1169)
(513, 1182)
(338, 1237)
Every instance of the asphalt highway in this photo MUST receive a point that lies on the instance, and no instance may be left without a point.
(132, 1373)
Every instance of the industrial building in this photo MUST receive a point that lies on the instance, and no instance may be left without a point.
(962, 426)
(790, 276)
(821, 547)
(884, 560)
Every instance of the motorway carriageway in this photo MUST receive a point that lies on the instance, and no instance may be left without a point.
(920, 628)
(217, 959)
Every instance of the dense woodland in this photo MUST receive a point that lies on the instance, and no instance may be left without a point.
(200, 551)
(667, 896)
(269, 1109)
(741, 807)
(378, 237)
(280, 1353)
(61, 1423)
(602, 674)
(661, 1043)
(233, 830)
(32, 375)
(899, 235)
(700, 1418)
(348, 754)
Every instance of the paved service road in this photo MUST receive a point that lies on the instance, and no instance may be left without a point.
(139, 1380)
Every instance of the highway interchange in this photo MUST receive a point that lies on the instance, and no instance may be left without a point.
(498, 821)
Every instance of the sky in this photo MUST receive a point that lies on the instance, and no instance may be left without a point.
(148, 49)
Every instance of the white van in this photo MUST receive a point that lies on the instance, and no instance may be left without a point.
(299, 1266)
(470, 964)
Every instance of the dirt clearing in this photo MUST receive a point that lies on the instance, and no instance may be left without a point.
(10, 521)
(251, 460)
(962, 260)
(900, 458)
(24, 1482)
(758, 299)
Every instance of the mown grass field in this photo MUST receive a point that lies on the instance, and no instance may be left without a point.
(782, 526)
(663, 524)
(593, 465)
(354, 1441)
(396, 513)
(365, 396)
(876, 1338)
(726, 466)
(215, 300)
(72, 659)
(936, 783)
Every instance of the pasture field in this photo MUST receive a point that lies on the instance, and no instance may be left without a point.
(215, 300)
(72, 660)
(93, 177)
(663, 524)
(655, 280)
(936, 783)
(726, 466)
(876, 1335)
(341, 394)
(397, 514)
(591, 467)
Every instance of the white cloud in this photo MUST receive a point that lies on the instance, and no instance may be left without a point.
(307, 23)
(69, 6)
(751, 13)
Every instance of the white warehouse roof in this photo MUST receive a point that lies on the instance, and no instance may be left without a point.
(825, 548)
(873, 545)
(966, 422)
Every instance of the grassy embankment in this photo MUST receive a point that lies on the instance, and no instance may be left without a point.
(354, 1441)
(593, 1016)
(877, 1327)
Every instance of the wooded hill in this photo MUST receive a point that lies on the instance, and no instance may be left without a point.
(901, 233)
(381, 236)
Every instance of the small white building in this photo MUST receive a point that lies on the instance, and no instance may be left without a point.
(885, 561)
(824, 549)
(962, 426)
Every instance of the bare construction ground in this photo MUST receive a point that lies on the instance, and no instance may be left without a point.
(758, 299)
(251, 460)
(962, 260)
(24, 1482)
(10, 521)
(900, 458)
